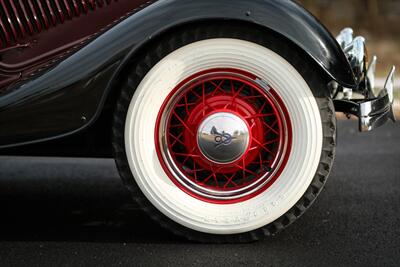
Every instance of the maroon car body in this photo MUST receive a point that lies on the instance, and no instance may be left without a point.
(33, 33)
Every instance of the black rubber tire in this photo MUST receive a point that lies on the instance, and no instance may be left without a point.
(181, 37)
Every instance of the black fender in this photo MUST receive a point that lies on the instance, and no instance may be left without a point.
(70, 96)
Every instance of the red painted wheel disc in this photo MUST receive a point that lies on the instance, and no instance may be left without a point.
(247, 147)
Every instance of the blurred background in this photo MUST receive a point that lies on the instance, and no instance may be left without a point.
(377, 20)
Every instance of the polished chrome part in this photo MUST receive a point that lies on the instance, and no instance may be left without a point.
(223, 137)
(345, 37)
(371, 111)
(389, 85)
(371, 73)
(347, 93)
(365, 118)
(356, 53)
(376, 112)
(263, 84)
(365, 124)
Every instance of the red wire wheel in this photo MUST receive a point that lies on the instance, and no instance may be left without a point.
(223, 136)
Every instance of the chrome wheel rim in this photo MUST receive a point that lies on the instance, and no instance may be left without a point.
(223, 136)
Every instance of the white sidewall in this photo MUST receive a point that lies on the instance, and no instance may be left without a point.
(226, 218)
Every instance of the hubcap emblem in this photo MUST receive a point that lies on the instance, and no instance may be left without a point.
(223, 137)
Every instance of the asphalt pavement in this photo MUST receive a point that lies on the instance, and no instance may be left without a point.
(76, 212)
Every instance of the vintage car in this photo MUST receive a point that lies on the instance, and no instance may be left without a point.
(220, 114)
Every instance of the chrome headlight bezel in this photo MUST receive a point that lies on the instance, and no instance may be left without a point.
(355, 51)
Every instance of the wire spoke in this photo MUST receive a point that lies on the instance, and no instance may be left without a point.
(271, 141)
(230, 180)
(176, 139)
(231, 94)
(270, 127)
(183, 123)
(261, 145)
(218, 87)
(234, 96)
(259, 115)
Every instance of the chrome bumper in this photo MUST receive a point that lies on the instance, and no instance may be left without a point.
(372, 109)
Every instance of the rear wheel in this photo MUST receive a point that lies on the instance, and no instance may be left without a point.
(224, 136)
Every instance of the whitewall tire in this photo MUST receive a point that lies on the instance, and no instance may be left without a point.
(138, 137)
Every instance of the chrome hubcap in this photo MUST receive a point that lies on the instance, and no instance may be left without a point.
(223, 137)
